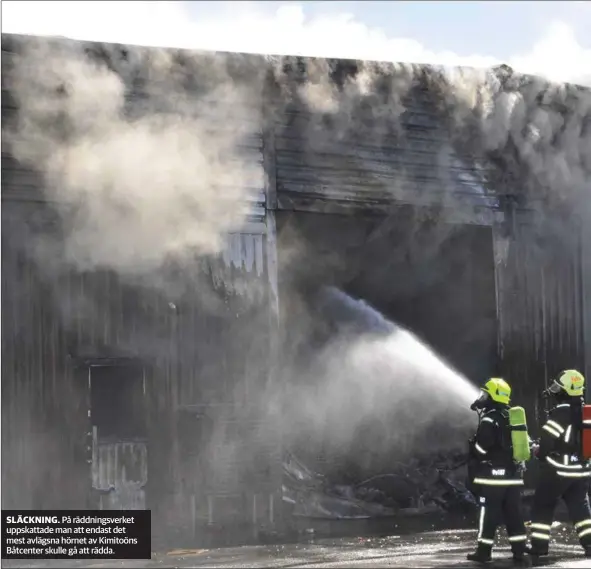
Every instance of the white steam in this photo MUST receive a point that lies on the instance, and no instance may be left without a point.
(144, 180)
(170, 183)
(509, 115)
(376, 372)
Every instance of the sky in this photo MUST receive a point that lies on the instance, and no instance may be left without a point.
(542, 38)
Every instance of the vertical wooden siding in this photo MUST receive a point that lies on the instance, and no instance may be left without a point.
(47, 320)
(540, 309)
(209, 347)
(194, 354)
(371, 150)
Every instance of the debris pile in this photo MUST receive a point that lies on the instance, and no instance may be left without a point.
(421, 486)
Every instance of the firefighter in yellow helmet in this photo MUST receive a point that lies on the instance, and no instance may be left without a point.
(563, 474)
(497, 478)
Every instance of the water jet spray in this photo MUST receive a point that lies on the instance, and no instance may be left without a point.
(379, 390)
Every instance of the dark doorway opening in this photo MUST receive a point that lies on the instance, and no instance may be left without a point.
(433, 278)
(117, 412)
(117, 402)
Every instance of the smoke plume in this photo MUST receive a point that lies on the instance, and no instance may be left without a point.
(141, 181)
(138, 177)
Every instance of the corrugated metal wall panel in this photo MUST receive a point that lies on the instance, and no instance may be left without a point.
(120, 474)
(48, 318)
(209, 347)
(540, 309)
(229, 450)
(240, 269)
(205, 350)
(586, 294)
(133, 455)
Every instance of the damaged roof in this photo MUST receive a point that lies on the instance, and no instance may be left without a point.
(508, 136)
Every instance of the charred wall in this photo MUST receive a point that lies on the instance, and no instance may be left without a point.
(199, 326)
(430, 277)
(436, 278)
(196, 354)
(357, 136)
(540, 255)
(540, 305)
(193, 325)
(48, 322)
(541, 310)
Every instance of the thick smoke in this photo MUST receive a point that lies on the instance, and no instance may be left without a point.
(139, 177)
(140, 182)
(506, 140)
(538, 129)
(361, 101)
(546, 126)
(154, 178)
(145, 159)
(525, 139)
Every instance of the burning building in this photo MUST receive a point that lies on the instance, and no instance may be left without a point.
(168, 218)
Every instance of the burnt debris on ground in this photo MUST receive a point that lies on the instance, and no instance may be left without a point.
(435, 484)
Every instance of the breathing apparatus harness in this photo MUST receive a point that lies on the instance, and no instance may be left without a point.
(556, 393)
(513, 439)
(484, 404)
(480, 405)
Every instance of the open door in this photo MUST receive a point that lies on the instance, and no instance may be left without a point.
(119, 465)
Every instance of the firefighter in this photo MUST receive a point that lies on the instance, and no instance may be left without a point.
(563, 474)
(497, 478)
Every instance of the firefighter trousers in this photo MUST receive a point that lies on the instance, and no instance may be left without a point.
(500, 504)
(550, 489)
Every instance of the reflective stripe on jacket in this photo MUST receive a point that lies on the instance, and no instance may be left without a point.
(491, 446)
(560, 442)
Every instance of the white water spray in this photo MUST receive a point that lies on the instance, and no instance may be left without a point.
(404, 351)
(379, 378)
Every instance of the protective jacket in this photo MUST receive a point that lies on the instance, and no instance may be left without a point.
(560, 442)
(491, 449)
(497, 481)
(563, 475)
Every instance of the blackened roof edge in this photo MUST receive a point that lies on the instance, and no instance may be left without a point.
(503, 72)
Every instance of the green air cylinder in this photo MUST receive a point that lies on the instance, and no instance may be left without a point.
(519, 436)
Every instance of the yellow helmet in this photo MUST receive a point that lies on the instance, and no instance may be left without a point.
(571, 381)
(498, 390)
